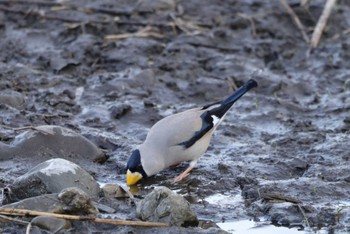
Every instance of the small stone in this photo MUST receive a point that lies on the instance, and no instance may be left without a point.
(69, 93)
(164, 205)
(104, 208)
(119, 111)
(148, 103)
(76, 201)
(347, 179)
(12, 98)
(347, 120)
(146, 78)
(51, 224)
(285, 213)
(113, 190)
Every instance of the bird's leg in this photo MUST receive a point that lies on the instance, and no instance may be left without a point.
(183, 174)
(186, 172)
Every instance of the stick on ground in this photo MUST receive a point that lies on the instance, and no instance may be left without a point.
(304, 215)
(22, 212)
(321, 24)
(303, 3)
(295, 19)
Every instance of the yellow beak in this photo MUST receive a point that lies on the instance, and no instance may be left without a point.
(132, 177)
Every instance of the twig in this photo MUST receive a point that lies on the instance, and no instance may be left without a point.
(251, 21)
(188, 27)
(45, 132)
(338, 35)
(281, 197)
(42, 3)
(303, 213)
(23, 212)
(29, 227)
(295, 19)
(216, 47)
(44, 15)
(4, 218)
(127, 190)
(304, 3)
(72, 7)
(145, 32)
(321, 24)
(107, 20)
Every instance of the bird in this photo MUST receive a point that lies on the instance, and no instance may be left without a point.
(184, 136)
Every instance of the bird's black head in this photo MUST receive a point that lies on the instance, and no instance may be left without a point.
(134, 163)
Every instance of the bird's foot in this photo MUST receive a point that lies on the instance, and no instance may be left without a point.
(181, 176)
(184, 174)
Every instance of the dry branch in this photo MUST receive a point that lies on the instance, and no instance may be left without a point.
(145, 32)
(251, 21)
(295, 19)
(55, 4)
(23, 212)
(304, 3)
(321, 24)
(45, 132)
(304, 215)
(107, 20)
(187, 27)
(6, 219)
(281, 197)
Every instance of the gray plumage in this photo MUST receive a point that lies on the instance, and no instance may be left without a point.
(161, 148)
(184, 136)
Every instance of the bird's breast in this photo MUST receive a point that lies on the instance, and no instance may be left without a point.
(179, 153)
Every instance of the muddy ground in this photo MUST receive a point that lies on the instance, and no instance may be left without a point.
(282, 153)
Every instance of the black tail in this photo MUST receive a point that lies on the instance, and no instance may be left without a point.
(226, 104)
(208, 116)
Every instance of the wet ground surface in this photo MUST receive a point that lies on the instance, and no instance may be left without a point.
(282, 153)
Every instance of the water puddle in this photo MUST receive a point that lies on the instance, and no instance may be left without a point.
(235, 201)
(225, 200)
(251, 227)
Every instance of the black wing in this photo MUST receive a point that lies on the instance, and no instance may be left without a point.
(217, 112)
(207, 125)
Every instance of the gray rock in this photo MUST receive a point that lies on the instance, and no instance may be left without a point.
(113, 190)
(69, 201)
(76, 201)
(50, 141)
(104, 208)
(146, 78)
(164, 205)
(119, 110)
(51, 177)
(286, 214)
(43, 203)
(12, 98)
(51, 224)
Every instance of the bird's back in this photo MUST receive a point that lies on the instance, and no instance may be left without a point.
(163, 142)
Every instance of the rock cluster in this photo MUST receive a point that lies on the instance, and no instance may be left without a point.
(60, 186)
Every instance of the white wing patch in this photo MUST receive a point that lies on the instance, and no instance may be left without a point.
(216, 120)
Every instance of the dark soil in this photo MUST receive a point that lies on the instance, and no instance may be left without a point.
(286, 141)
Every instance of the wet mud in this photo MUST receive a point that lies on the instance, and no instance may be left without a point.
(281, 155)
